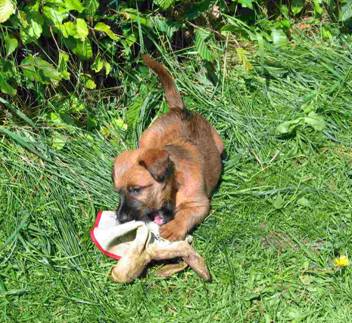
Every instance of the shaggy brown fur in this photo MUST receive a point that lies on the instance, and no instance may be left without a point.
(175, 168)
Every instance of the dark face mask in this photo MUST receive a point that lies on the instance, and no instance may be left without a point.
(131, 209)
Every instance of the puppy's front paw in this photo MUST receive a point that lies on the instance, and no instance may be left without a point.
(173, 230)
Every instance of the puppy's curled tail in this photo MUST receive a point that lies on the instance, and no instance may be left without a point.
(172, 95)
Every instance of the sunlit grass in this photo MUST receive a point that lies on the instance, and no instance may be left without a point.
(280, 217)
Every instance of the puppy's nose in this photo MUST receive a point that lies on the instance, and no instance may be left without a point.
(123, 217)
(121, 214)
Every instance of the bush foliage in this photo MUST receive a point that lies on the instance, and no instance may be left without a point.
(63, 50)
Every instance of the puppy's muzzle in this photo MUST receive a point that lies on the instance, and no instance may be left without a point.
(123, 213)
(130, 209)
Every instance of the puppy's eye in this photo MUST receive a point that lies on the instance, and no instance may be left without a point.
(134, 190)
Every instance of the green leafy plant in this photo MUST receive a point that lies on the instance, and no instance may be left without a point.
(345, 13)
(60, 46)
(7, 8)
(312, 119)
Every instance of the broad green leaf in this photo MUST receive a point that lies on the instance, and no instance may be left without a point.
(58, 140)
(5, 87)
(130, 38)
(246, 3)
(297, 6)
(284, 24)
(22, 17)
(77, 29)
(100, 26)
(7, 8)
(82, 49)
(37, 69)
(55, 14)
(76, 105)
(11, 43)
(201, 46)
(306, 279)
(62, 65)
(74, 5)
(295, 314)
(105, 131)
(8, 68)
(107, 68)
(34, 5)
(318, 8)
(309, 106)
(325, 32)
(279, 37)
(346, 11)
(288, 127)
(316, 121)
(82, 29)
(164, 4)
(303, 202)
(90, 84)
(284, 10)
(243, 59)
(67, 29)
(98, 64)
(278, 202)
(90, 7)
(31, 28)
(55, 118)
(119, 123)
(313, 119)
(165, 26)
(62, 120)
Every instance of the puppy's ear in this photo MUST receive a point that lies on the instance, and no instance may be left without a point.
(157, 162)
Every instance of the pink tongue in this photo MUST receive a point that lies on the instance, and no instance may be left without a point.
(158, 220)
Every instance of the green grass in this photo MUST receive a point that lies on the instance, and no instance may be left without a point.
(282, 212)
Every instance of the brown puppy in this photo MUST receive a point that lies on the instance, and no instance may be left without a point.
(173, 172)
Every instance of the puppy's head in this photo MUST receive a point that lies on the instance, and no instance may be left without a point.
(145, 181)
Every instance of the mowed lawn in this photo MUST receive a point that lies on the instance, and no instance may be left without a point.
(281, 215)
